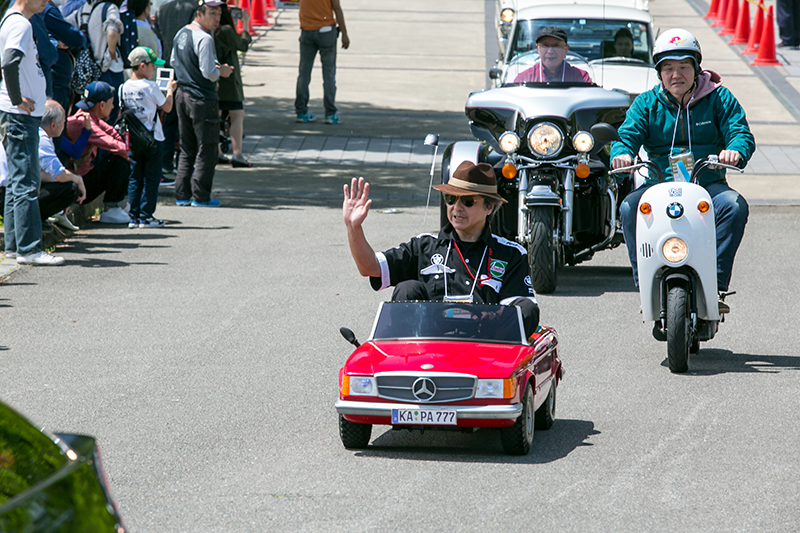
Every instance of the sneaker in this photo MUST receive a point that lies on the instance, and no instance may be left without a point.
(40, 259)
(167, 172)
(332, 119)
(151, 222)
(11, 255)
(305, 117)
(60, 219)
(114, 215)
(166, 182)
(183, 203)
(210, 203)
(134, 223)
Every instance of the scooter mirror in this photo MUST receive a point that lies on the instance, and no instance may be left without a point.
(432, 139)
(604, 133)
(349, 336)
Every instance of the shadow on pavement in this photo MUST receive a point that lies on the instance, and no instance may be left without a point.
(482, 446)
(588, 280)
(712, 361)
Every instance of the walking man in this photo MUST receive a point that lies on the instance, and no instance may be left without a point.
(22, 99)
(321, 22)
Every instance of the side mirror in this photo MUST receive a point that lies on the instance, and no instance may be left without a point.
(495, 73)
(349, 336)
(604, 133)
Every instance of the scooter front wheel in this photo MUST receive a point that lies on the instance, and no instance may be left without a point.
(679, 333)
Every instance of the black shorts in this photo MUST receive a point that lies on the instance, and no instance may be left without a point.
(226, 105)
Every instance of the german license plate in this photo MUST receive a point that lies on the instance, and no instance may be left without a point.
(431, 417)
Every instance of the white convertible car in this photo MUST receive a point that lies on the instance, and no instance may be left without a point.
(591, 27)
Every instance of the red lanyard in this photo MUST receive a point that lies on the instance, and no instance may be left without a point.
(465, 263)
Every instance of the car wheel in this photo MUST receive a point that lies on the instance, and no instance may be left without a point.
(517, 439)
(354, 436)
(546, 413)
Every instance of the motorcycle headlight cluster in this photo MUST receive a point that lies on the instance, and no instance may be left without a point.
(674, 250)
(583, 141)
(509, 142)
(546, 139)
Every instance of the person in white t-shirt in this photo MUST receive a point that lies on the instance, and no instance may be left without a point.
(22, 98)
(144, 98)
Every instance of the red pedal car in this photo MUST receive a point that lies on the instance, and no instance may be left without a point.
(447, 365)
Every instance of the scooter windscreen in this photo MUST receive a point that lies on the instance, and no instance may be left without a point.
(553, 68)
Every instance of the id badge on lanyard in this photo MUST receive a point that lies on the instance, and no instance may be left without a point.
(688, 161)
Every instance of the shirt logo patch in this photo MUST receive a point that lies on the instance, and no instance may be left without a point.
(528, 281)
(497, 268)
(437, 259)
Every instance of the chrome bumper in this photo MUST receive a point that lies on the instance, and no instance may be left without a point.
(465, 412)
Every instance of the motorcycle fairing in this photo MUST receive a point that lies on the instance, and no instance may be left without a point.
(695, 228)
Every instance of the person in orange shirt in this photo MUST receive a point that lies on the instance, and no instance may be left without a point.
(321, 22)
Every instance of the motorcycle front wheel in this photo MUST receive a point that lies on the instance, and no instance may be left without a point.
(679, 333)
(542, 252)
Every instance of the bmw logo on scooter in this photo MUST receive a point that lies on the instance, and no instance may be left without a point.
(674, 210)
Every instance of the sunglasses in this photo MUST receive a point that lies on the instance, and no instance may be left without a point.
(466, 201)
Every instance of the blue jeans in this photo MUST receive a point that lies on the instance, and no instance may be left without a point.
(730, 217)
(143, 184)
(21, 218)
(312, 42)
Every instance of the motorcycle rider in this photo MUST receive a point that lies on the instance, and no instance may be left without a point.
(688, 117)
(464, 263)
(551, 42)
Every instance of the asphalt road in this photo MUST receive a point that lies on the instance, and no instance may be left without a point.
(204, 357)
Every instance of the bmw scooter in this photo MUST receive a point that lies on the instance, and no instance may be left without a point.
(676, 249)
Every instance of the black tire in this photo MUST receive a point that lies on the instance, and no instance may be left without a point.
(679, 337)
(517, 439)
(546, 413)
(354, 436)
(542, 256)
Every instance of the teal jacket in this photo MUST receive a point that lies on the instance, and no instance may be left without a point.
(716, 122)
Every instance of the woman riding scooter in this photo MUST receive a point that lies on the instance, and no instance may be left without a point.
(688, 117)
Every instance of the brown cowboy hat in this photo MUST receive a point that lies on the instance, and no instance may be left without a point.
(470, 178)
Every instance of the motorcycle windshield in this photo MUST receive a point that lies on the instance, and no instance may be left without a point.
(552, 69)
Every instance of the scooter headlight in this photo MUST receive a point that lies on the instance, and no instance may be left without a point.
(507, 15)
(509, 142)
(546, 139)
(583, 141)
(674, 250)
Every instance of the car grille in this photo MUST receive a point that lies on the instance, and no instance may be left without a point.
(448, 388)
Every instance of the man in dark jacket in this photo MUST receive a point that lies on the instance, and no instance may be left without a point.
(690, 116)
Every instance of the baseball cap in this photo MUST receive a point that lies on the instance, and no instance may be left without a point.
(552, 31)
(95, 92)
(142, 54)
(210, 3)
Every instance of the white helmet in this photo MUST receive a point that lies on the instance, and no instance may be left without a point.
(677, 44)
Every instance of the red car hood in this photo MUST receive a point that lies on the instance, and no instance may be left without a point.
(479, 359)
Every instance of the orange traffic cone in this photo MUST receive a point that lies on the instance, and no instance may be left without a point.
(722, 12)
(766, 49)
(730, 19)
(245, 4)
(712, 11)
(259, 14)
(755, 35)
(271, 5)
(743, 25)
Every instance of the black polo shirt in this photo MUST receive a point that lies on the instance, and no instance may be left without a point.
(502, 266)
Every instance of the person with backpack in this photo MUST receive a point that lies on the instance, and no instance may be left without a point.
(144, 98)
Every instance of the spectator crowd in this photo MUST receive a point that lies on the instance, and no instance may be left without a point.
(114, 101)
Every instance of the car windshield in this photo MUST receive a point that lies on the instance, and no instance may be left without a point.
(528, 68)
(591, 38)
(448, 321)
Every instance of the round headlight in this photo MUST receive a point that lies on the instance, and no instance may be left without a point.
(546, 139)
(507, 15)
(674, 250)
(509, 142)
(583, 141)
